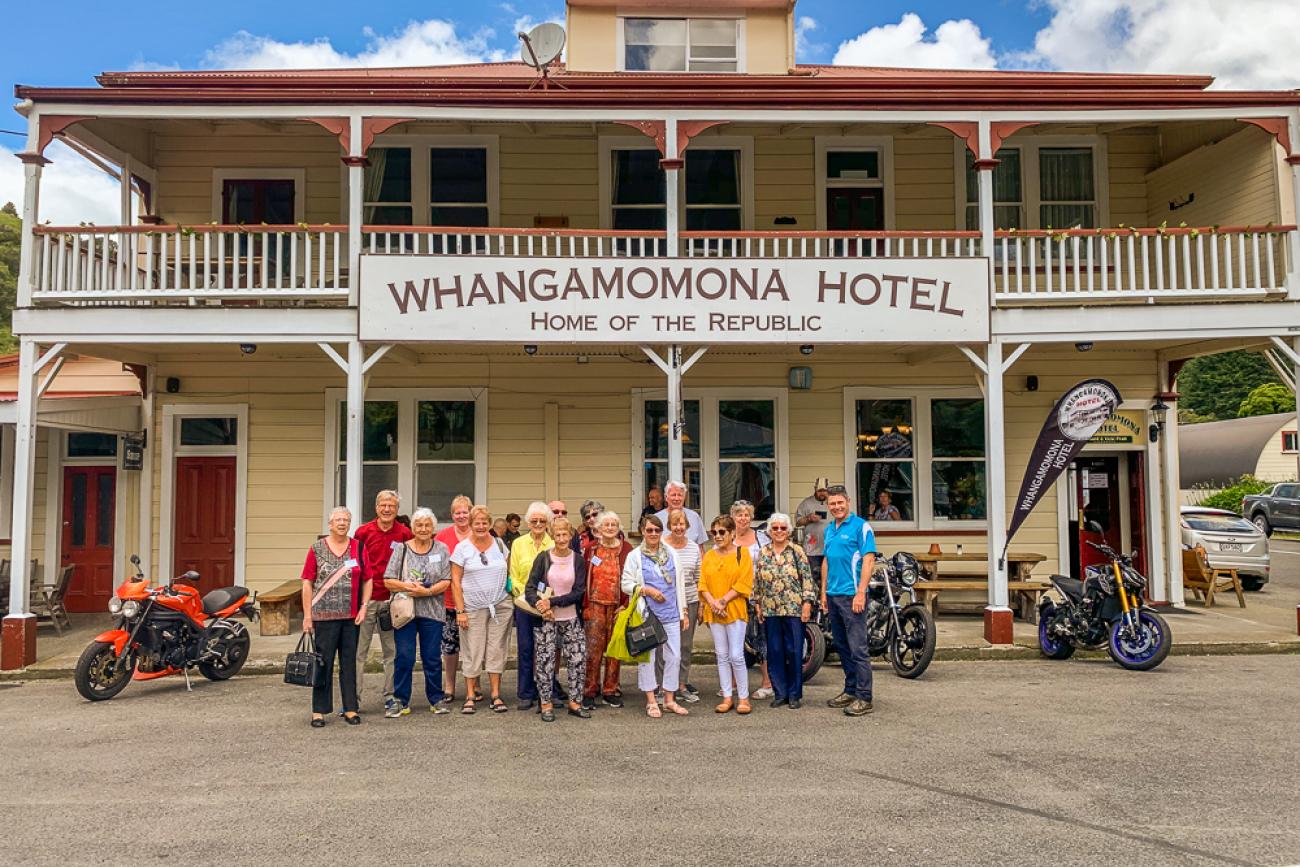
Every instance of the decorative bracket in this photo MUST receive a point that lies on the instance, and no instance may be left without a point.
(370, 127)
(373, 126)
(658, 130)
(48, 126)
(338, 126)
(999, 131)
(1276, 127)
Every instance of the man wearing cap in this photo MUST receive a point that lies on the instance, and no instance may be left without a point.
(812, 515)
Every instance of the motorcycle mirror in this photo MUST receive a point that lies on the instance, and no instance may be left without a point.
(135, 560)
(1094, 527)
(190, 576)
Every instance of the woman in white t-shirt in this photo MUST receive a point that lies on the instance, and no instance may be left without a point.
(484, 608)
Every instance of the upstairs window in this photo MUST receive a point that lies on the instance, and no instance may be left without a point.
(681, 45)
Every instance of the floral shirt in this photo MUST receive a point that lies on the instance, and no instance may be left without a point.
(783, 582)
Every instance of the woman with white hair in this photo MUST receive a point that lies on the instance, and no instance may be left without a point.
(420, 568)
(605, 559)
(523, 552)
(334, 600)
(783, 598)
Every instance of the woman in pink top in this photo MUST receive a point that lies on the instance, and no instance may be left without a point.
(555, 586)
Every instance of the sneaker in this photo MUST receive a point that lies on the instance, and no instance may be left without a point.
(439, 708)
(612, 700)
(860, 707)
(389, 702)
(778, 702)
(689, 689)
(588, 703)
(840, 701)
(763, 692)
(688, 697)
(794, 704)
(395, 709)
(447, 700)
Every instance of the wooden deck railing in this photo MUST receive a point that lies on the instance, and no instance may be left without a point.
(175, 264)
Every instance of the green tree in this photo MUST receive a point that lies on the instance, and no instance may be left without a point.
(10, 239)
(1266, 399)
(1214, 386)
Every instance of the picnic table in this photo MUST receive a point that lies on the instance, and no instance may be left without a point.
(1024, 591)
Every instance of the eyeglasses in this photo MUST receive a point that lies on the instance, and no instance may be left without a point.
(649, 530)
(559, 511)
(721, 532)
(775, 527)
(537, 521)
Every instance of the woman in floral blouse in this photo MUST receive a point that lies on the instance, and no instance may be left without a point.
(784, 594)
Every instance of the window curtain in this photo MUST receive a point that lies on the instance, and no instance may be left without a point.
(374, 179)
(1065, 175)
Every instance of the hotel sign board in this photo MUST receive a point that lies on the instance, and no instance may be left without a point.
(468, 299)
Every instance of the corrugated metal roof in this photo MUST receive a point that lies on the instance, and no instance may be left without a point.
(1218, 452)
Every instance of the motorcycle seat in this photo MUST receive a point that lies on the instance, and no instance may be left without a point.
(1071, 587)
(222, 598)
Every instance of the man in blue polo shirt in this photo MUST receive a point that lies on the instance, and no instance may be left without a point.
(850, 555)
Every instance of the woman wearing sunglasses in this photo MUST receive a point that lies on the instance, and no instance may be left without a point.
(653, 568)
(480, 585)
(784, 593)
(726, 579)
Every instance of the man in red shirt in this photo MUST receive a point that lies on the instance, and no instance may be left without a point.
(377, 538)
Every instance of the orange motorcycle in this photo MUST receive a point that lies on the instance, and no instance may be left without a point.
(166, 630)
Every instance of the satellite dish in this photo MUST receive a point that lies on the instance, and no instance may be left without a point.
(542, 45)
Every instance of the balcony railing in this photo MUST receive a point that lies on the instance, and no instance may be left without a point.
(162, 264)
(309, 264)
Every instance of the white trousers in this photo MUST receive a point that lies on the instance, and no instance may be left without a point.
(671, 654)
(729, 647)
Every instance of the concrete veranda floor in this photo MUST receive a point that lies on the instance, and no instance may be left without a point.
(1268, 622)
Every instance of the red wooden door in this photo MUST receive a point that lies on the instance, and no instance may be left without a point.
(89, 521)
(1099, 497)
(205, 520)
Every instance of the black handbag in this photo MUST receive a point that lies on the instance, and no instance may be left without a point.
(385, 616)
(304, 666)
(645, 636)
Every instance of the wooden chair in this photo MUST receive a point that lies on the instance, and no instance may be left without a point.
(47, 602)
(1200, 577)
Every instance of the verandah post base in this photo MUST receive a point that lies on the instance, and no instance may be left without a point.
(998, 625)
(18, 642)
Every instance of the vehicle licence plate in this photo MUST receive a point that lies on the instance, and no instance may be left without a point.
(1230, 546)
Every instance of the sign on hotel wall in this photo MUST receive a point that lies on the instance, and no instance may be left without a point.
(518, 300)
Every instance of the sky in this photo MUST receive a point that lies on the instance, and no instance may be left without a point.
(1244, 43)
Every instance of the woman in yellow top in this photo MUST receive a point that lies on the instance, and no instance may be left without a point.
(523, 551)
(726, 579)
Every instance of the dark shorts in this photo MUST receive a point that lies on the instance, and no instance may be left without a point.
(451, 635)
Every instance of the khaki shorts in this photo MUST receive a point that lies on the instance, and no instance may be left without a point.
(485, 642)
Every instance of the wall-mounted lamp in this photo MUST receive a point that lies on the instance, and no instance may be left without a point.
(248, 348)
(806, 349)
(530, 349)
(1159, 410)
(1084, 346)
(1031, 383)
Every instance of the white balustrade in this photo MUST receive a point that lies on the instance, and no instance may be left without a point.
(558, 243)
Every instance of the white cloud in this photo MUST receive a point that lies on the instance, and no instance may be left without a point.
(72, 190)
(803, 44)
(420, 43)
(1245, 43)
(955, 44)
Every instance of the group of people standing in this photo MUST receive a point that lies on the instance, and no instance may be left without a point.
(560, 586)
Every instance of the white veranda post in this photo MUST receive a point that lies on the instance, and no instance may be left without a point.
(24, 466)
(995, 446)
(354, 366)
(674, 368)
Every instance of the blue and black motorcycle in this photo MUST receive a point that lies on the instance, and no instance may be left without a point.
(1105, 609)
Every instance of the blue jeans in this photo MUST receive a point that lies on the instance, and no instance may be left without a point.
(785, 655)
(849, 632)
(429, 634)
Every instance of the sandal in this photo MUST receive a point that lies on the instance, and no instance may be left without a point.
(676, 708)
(498, 706)
(652, 711)
(468, 706)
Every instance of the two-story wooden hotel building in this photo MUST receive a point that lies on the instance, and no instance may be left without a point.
(683, 253)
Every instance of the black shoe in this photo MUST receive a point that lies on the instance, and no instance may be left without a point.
(860, 707)
(612, 700)
(526, 704)
(687, 688)
(581, 713)
(794, 704)
(354, 720)
(548, 716)
(588, 704)
(318, 723)
(778, 702)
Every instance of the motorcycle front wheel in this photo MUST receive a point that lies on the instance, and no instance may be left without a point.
(1144, 650)
(235, 657)
(1052, 648)
(814, 649)
(912, 650)
(96, 676)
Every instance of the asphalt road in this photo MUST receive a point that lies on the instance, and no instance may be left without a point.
(976, 763)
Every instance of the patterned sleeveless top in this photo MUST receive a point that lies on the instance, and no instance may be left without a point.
(336, 604)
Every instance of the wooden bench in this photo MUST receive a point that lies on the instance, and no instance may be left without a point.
(279, 607)
(1204, 580)
(1024, 594)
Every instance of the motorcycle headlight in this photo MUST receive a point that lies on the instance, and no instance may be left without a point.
(908, 577)
(115, 606)
(130, 609)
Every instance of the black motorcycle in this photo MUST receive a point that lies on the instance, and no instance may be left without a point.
(906, 633)
(1104, 609)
